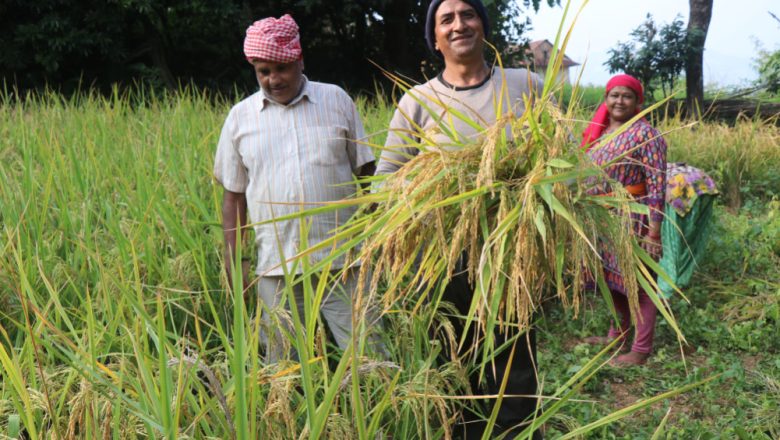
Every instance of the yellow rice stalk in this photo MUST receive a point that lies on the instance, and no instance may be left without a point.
(519, 210)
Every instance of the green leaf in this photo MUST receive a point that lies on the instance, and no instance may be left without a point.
(559, 163)
(539, 221)
(13, 426)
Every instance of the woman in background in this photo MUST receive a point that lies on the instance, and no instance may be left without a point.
(642, 171)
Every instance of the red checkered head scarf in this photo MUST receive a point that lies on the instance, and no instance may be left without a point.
(272, 39)
(601, 119)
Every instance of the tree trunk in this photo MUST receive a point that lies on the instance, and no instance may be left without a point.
(157, 47)
(698, 25)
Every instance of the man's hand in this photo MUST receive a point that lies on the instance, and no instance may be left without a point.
(246, 277)
(246, 271)
(234, 219)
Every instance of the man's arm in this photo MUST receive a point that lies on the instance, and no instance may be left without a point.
(233, 218)
(360, 156)
(401, 132)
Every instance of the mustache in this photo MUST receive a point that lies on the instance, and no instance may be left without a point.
(461, 36)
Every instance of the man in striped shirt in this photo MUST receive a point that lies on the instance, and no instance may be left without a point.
(289, 147)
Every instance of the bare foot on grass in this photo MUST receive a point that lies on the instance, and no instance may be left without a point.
(630, 359)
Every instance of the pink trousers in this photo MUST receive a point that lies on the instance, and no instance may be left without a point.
(645, 322)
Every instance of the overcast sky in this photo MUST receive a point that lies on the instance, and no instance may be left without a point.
(735, 29)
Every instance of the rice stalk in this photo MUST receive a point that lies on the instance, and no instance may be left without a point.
(519, 211)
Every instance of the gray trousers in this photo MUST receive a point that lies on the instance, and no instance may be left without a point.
(335, 308)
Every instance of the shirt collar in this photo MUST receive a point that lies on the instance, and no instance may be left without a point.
(306, 92)
(441, 79)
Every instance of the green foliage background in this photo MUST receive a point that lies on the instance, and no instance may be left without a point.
(656, 56)
(70, 45)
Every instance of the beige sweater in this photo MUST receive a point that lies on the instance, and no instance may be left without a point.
(433, 106)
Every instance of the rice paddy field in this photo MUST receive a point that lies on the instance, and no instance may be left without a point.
(116, 320)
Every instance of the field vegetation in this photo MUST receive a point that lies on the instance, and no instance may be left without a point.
(116, 319)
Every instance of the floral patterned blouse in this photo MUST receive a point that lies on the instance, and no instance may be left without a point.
(644, 162)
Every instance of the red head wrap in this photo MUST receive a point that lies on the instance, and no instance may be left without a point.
(601, 119)
(274, 40)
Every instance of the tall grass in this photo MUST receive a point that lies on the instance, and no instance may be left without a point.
(743, 158)
(115, 316)
(116, 319)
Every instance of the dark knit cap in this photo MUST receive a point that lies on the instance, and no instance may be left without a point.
(430, 22)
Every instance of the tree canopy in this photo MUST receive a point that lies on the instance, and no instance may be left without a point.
(656, 56)
(768, 64)
(70, 44)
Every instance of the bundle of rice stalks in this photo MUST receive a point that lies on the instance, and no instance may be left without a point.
(516, 208)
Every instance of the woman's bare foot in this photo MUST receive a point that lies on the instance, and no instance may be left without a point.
(631, 358)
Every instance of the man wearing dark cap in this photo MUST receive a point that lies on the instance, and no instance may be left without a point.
(455, 31)
(289, 147)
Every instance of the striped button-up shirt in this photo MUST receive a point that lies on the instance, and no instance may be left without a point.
(288, 158)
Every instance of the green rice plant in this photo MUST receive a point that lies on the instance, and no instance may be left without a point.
(120, 323)
(590, 97)
(376, 113)
(124, 302)
(117, 320)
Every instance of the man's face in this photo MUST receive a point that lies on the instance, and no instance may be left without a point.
(280, 81)
(458, 31)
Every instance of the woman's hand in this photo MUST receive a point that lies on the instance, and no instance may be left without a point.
(652, 245)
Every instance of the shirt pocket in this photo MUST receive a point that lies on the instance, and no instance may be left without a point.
(325, 146)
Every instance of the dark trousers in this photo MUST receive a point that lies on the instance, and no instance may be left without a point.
(521, 380)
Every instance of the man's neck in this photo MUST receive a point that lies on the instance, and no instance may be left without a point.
(304, 80)
(466, 75)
